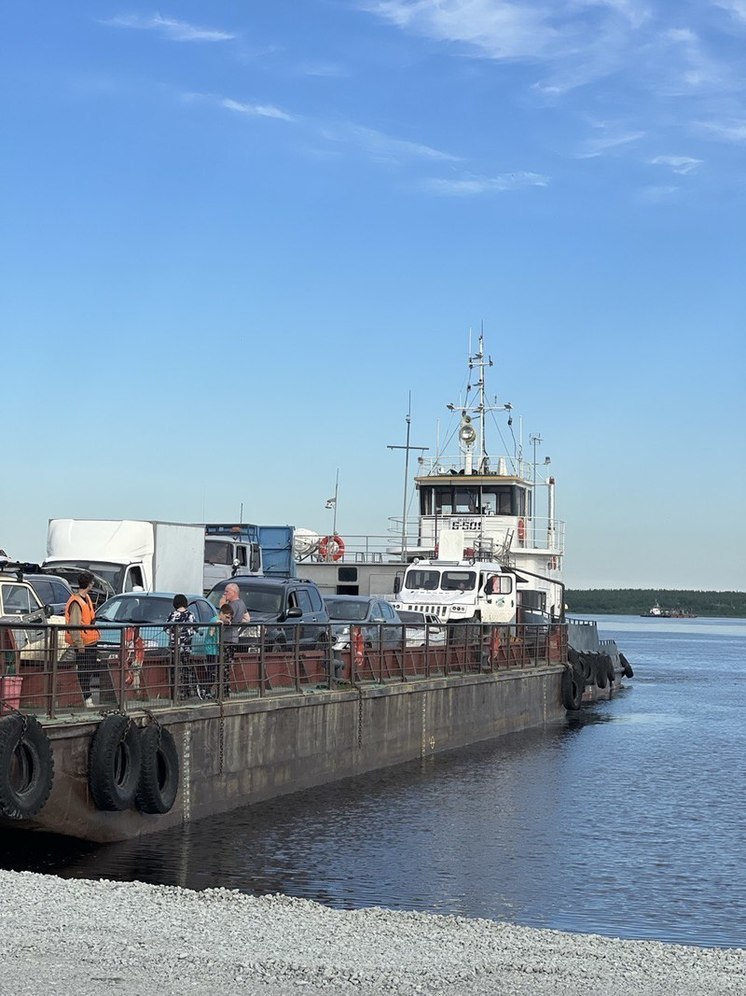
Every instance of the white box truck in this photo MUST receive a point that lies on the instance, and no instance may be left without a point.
(129, 554)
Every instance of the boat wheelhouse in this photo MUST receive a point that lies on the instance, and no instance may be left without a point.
(492, 499)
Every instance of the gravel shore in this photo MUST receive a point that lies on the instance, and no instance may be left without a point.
(83, 937)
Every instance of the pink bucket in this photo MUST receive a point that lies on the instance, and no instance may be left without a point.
(11, 690)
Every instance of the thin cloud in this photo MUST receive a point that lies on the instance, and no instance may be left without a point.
(494, 28)
(169, 27)
(682, 165)
(327, 69)
(255, 110)
(510, 29)
(729, 131)
(735, 7)
(473, 186)
(595, 147)
(376, 144)
(383, 147)
(658, 195)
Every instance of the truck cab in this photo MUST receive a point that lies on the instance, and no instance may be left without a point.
(459, 591)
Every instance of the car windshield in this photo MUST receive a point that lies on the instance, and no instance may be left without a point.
(411, 617)
(257, 598)
(132, 609)
(342, 611)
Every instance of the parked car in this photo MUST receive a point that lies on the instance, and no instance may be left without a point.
(423, 628)
(52, 590)
(148, 612)
(19, 604)
(283, 610)
(378, 619)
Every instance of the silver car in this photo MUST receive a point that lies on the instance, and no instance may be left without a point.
(423, 629)
(378, 620)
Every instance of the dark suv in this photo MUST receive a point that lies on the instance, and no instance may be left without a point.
(286, 610)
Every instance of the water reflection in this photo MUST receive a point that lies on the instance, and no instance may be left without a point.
(627, 822)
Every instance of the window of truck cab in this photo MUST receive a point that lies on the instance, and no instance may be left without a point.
(455, 580)
(498, 584)
(422, 579)
(224, 553)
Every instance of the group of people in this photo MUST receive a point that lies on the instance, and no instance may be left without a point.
(232, 613)
(82, 638)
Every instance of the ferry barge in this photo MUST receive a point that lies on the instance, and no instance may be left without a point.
(145, 757)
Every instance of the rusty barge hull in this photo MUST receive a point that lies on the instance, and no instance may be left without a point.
(244, 751)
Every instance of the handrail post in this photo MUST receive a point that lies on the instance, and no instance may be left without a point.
(262, 661)
(51, 696)
(296, 656)
(122, 677)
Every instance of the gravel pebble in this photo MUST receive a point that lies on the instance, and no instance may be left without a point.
(84, 937)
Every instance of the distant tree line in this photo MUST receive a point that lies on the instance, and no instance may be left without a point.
(636, 601)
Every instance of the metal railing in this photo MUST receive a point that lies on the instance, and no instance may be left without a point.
(488, 533)
(148, 666)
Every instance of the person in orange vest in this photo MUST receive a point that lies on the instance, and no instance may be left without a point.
(79, 611)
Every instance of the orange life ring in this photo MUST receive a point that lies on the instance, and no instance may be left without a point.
(332, 547)
(135, 648)
(521, 530)
(494, 646)
(358, 647)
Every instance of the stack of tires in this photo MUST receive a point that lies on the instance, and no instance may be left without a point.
(133, 767)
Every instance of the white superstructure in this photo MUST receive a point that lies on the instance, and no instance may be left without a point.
(497, 500)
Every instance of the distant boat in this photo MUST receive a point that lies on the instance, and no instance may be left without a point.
(656, 612)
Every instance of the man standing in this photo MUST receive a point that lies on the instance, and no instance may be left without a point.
(232, 597)
(240, 614)
(79, 612)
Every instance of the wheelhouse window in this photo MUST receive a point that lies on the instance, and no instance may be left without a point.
(467, 501)
(489, 499)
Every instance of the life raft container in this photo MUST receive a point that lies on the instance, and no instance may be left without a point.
(26, 767)
(331, 547)
(114, 763)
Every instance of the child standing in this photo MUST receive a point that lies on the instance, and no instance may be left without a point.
(213, 641)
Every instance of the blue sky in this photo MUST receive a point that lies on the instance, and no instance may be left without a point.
(237, 235)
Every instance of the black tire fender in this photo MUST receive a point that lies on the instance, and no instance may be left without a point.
(572, 690)
(586, 667)
(610, 672)
(114, 763)
(159, 773)
(626, 667)
(600, 669)
(26, 767)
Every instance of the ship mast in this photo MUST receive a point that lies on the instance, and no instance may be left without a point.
(478, 362)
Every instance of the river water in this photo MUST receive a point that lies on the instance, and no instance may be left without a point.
(628, 822)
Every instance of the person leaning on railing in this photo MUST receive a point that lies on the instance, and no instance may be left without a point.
(79, 612)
